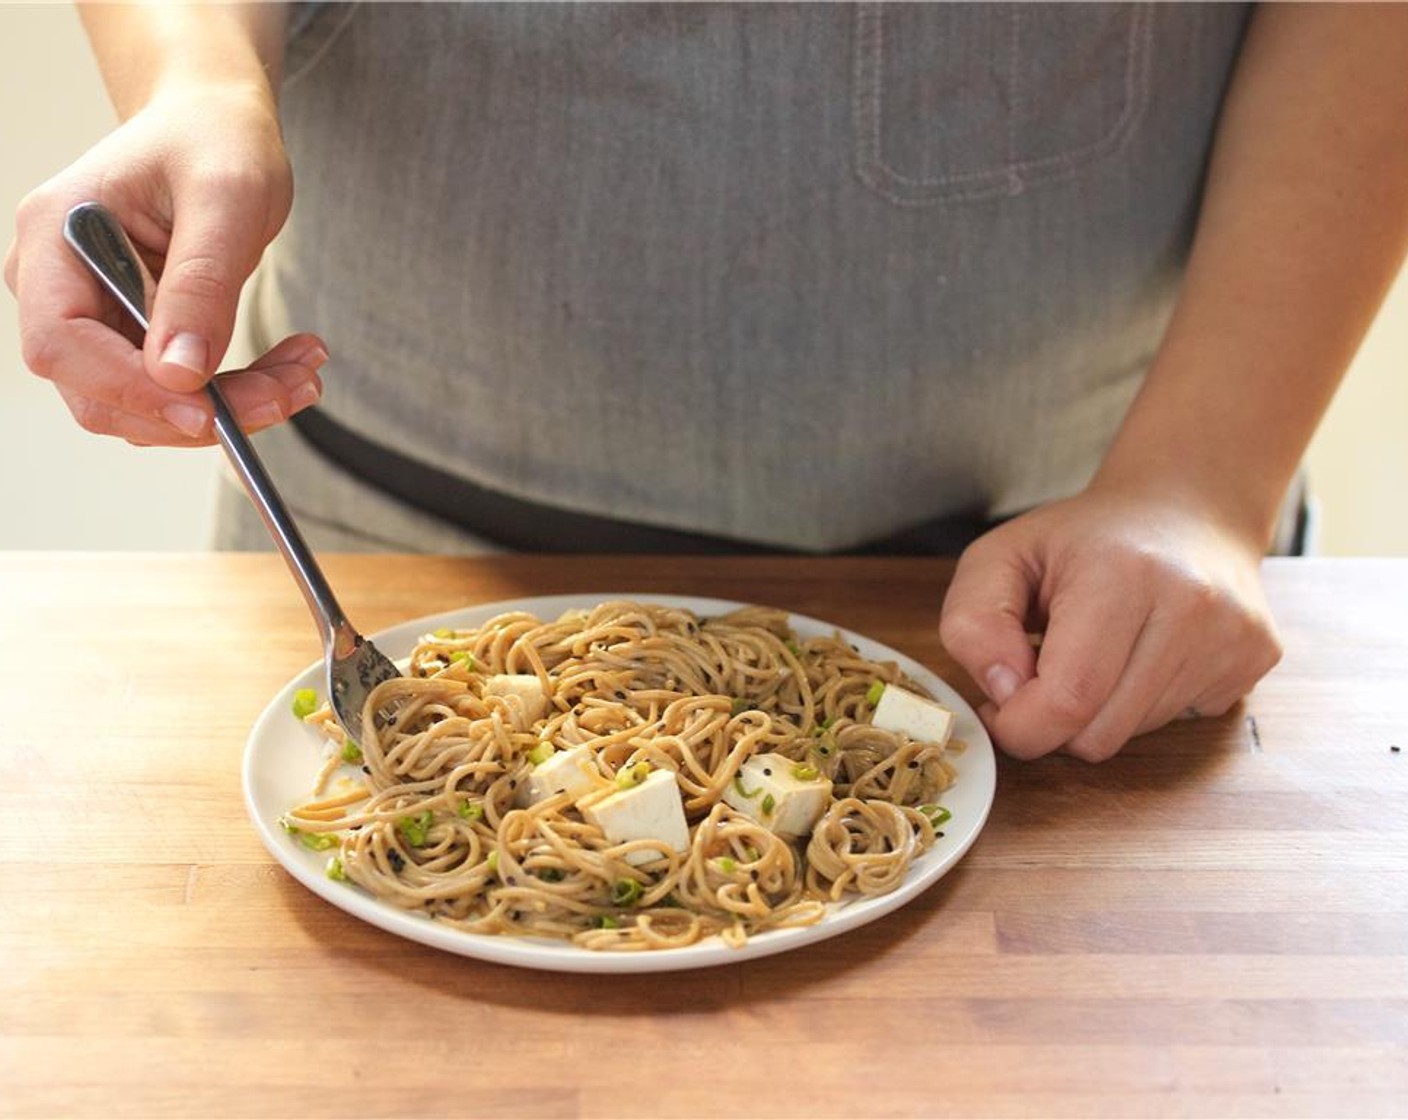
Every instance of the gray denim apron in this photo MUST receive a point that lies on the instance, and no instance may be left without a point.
(802, 276)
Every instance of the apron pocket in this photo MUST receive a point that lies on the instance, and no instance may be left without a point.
(957, 102)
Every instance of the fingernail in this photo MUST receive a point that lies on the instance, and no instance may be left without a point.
(314, 356)
(303, 395)
(186, 351)
(264, 416)
(1002, 681)
(185, 418)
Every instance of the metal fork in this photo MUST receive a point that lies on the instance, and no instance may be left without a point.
(354, 665)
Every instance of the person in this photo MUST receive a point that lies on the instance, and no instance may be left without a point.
(1067, 287)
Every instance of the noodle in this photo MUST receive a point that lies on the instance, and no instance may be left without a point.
(447, 819)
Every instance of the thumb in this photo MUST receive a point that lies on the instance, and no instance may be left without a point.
(983, 624)
(216, 240)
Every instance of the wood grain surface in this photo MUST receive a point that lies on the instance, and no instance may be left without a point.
(1213, 923)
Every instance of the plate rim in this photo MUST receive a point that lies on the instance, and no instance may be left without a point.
(977, 762)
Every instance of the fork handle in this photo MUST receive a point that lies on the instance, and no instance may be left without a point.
(104, 247)
(339, 637)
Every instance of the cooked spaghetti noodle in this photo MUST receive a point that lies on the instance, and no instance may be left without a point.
(438, 821)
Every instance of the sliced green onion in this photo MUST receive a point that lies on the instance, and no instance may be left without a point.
(632, 776)
(804, 773)
(937, 814)
(552, 874)
(335, 871)
(823, 727)
(351, 752)
(606, 921)
(625, 892)
(738, 785)
(317, 841)
(727, 864)
(877, 690)
(305, 703)
(443, 632)
(769, 804)
(415, 829)
(541, 753)
(470, 810)
(465, 656)
(739, 705)
(492, 862)
(751, 854)
(313, 841)
(795, 649)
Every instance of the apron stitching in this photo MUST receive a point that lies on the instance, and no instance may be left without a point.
(327, 44)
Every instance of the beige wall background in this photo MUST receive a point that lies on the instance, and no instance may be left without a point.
(61, 488)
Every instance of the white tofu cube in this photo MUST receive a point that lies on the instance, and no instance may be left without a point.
(573, 772)
(652, 810)
(915, 716)
(524, 693)
(776, 798)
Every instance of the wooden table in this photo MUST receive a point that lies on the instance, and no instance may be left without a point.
(1213, 923)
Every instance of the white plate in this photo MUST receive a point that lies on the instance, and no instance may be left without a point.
(282, 757)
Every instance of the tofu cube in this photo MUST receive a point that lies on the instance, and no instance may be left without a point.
(776, 798)
(919, 718)
(652, 810)
(524, 693)
(573, 772)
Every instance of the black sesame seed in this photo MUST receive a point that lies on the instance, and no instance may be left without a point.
(393, 857)
(513, 783)
(938, 834)
(1395, 748)
(767, 771)
(914, 764)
